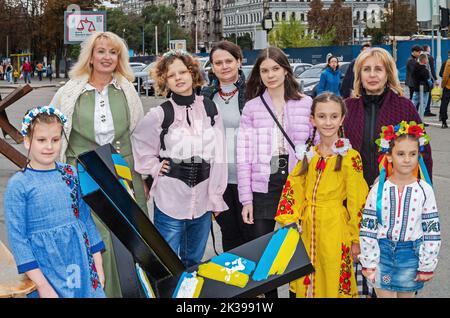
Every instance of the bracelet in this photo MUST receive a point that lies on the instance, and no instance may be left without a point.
(425, 273)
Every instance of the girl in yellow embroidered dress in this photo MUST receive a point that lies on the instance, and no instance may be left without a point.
(325, 194)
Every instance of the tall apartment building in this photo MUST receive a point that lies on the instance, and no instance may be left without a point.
(201, 19)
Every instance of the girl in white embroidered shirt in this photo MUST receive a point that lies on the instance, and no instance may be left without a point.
(400, 231)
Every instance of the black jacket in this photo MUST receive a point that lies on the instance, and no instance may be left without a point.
(211, 90)
(372, 105)
(347, 82)
(421, 75)
(412, 61)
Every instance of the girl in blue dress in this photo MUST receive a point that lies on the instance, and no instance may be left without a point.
(50, 229)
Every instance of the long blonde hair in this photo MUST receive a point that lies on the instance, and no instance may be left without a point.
(388, 62)
(84, 67)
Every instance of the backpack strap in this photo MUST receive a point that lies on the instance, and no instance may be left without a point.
(211, 109)
(169, 115)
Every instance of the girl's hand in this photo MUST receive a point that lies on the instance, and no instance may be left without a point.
(356, 250)
(47, 291)
(101, 278)
(424, 277)
(146, 191)
(369, 273)
(247, 214)
(165, 168)
(216, 214)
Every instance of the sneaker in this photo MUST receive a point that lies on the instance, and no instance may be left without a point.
(425, 125)
(429, 114)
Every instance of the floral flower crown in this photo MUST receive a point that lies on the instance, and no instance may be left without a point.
(32, 113)
(392, 132)
(177, 52)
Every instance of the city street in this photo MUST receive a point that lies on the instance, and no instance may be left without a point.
(440, 144)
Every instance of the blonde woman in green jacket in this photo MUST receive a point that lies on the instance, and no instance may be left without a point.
(102, 107)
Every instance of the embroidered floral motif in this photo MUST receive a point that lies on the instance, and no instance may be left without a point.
(287, 200)
(346, 271)
(386, 279)
(72, 182)
(368, 223)
(357, 163)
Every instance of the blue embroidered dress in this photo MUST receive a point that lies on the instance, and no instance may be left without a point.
(50, 227)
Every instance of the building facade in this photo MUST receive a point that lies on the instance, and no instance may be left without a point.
(245, 16)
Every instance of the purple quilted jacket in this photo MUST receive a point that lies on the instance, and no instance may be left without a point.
(254, 141)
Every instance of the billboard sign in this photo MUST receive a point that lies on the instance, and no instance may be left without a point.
(78, 25)
(177, 44)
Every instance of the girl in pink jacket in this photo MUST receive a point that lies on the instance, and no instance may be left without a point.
(264, 155)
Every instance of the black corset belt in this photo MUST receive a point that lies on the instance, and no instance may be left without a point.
(191, 171)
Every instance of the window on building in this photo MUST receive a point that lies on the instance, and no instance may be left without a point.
(283, 16)
(277, 16)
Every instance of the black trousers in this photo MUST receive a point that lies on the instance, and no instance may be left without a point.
(443, 111)
(411, 91)
(234, 230)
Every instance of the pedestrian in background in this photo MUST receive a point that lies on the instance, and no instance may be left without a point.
(330, 78)
(26, 71)
(431, 67)
(49, 72)
(411, 63)
(421, 77)
(39, 69)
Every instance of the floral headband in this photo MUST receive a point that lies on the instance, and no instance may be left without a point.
(177, 52)
(392, 132)
(32, 113)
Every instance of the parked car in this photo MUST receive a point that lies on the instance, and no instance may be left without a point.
(137, 66)
(143, 82)
(299, 68)
(309, 79)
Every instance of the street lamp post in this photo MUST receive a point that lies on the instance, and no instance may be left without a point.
(168, 35)
(143, 42)
(235, 26)
(156, 40)
(196, 35)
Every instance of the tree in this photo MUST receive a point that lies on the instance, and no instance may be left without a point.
(401, 19)
(127, 26)
(293, 34)
(340, 19)
(159, 16)
(53, 28)
(316, 16)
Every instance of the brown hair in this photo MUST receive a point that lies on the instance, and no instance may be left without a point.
(228, 46)
(159, 72)
(256, 87)
(324, 98)
(401, 137)
(388, 62)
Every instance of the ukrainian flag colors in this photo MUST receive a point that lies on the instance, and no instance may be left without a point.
(277, 254)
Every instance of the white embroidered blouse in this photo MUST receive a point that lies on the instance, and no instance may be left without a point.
(406, 216)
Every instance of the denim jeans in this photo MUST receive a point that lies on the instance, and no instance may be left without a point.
(27, 77)
(416, 101)
(186, 237)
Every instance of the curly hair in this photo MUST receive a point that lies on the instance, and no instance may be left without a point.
(159, 72)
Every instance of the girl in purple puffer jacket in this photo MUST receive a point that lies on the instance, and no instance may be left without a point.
(264, 156)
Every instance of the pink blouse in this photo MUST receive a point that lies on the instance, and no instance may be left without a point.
(171, 195)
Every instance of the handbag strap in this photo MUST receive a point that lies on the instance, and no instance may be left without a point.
(277, 122)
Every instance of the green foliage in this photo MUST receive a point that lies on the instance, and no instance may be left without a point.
(292, 34)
